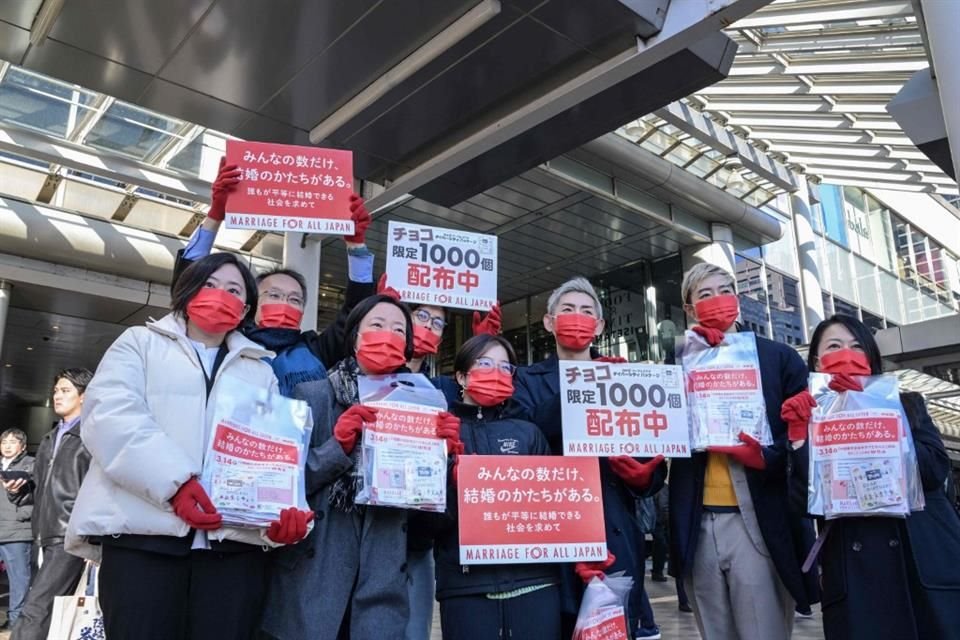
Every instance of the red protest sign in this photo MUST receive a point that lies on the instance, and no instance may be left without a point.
(249, 447)
(608, 623)
(289, 188)
(530, 509)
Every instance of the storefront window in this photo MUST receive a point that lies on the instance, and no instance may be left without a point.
(873, 322)
(831, 205)
(752, 291)
(783, 293)
(782, 254)
(845, 308)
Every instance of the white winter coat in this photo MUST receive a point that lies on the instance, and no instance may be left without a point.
(145, 421)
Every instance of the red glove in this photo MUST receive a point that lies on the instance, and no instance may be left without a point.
(712, 336)
(350, 425)
(844, 382)
(448, 428)
(611, 359)
(291, 528)
(228, 176)
(192, 505)
(490, 324)
(384, 289)
(750, 456)
(796, 412)
(636, 475)
(590, 570)
(361, 220)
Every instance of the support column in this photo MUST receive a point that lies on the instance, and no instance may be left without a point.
(302, 254)
(810, 290)
(654, 350)
(5, 290)
(719, 252)
(942, 19)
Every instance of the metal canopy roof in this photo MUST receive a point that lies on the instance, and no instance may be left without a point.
(811, 82)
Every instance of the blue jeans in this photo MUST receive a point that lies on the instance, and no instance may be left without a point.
(16, 559)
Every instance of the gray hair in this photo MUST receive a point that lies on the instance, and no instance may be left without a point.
(697, 274)
(574, 285)
(15, 433)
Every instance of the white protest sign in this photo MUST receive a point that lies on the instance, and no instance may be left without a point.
(629, 409)
(442, 267)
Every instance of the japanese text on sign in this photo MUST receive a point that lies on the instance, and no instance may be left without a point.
(608, 623)
(856, 434)
(290, 188)
(442, 267)
(527, 509)
(248, 447)
(623, 409)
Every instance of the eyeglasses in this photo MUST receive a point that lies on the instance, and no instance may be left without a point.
(489, 363)
(423, 317)
(274, 296)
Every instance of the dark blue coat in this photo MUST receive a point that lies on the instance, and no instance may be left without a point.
(783, 374)
(893, 578)
(537, 398)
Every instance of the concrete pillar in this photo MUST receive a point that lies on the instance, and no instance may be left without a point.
(5, 290)
(810, 290)
(942, 19)
(719, 252)
(302, 254)
(654, 348)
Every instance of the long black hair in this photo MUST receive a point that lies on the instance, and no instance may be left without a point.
(860, 332)
(196, 275)
(352, 326)
(475, 348)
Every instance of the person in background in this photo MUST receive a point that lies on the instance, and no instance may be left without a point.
(282, 293)
(170, 567)
(15, 534)
(58, 471)
(575, 318)
(490, 602)
(349, 578)
(883, 578)
(731, 534)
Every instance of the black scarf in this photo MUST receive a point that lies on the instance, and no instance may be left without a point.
(343, 491)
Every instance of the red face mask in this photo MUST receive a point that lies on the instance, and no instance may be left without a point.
(574, 331)
(215, 310)
(280, 316)
(718, 312)
(381, 351)
(425, 342)
(848, 361)
(489, 387)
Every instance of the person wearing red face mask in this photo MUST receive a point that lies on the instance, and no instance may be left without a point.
(282, 293)
(349, 577)
(489, 602)
(883, 578)
(169, 567)
(429, 322)
(575, 319)
(732, 539)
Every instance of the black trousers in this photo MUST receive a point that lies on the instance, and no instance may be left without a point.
(534, 615)
(204, 595)
(57, 577)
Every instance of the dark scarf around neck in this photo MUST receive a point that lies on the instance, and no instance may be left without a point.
(294, 362)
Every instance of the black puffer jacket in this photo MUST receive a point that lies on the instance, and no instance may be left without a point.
(484, 432)
(14, 516)
(56, 482)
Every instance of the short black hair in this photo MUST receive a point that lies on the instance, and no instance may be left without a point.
(860, 332)
(77, 376)
(15, 433)
(414, 307)
(296, 275)
(196, 275)
(352, 326)
(476, 346)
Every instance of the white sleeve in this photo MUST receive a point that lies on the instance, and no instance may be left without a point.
(121, 433)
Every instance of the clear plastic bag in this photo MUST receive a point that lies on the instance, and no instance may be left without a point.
(863, 461)
(602, 614)
(402, 463)
(724, 391)
(256, 452)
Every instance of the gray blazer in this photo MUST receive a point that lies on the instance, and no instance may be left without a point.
(356, 560)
